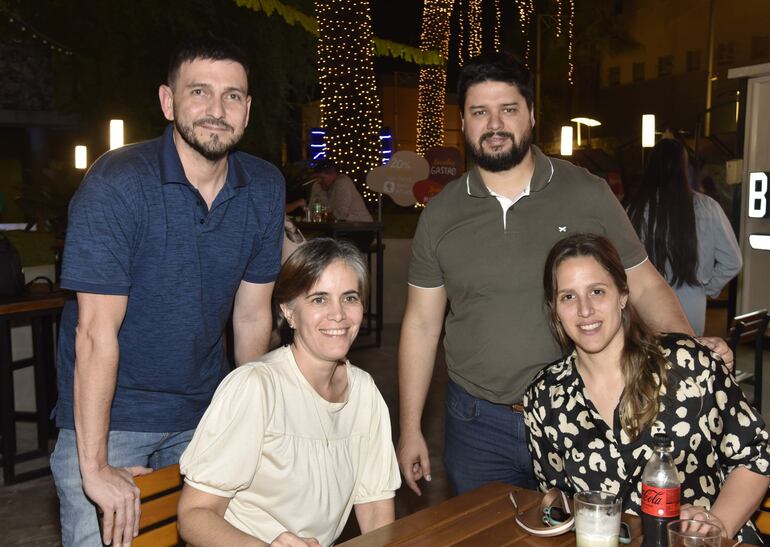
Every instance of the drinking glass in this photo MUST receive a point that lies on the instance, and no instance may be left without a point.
(693, 533)
(597, 519)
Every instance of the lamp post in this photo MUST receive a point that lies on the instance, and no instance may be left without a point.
(116, 134)
(589, 123)
(648, 130)
(648, 134)
(81, 157)
(566, 140)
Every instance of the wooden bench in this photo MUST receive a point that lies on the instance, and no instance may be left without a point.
(160, 491)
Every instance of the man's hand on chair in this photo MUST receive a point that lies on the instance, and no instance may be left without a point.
(113, 490)
(720, 347)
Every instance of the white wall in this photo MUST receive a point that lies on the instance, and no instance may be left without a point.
(754, 291)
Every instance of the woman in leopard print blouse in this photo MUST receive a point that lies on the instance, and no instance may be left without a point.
(592, 414)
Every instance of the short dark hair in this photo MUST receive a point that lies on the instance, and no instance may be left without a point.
(495, 67)
(306, 265)
(204, 47)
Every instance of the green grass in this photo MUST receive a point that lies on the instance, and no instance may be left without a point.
(35, 248)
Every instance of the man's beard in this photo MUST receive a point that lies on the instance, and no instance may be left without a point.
(502, 161)
(214, 149)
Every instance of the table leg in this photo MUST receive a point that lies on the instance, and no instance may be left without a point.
(41, 355)
(7, 403)
(380, 270)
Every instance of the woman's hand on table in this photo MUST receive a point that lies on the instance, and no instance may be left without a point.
(696, 512)
(287, 539)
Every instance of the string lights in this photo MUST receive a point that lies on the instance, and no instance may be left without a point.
(350, 103)
(570, 41)
(498, 22)
(559, 8)
(34, 34)
(436, 19)
(475, 30)
(526, 10)
(460, 33)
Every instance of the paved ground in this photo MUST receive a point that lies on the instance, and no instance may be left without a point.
(29, 511)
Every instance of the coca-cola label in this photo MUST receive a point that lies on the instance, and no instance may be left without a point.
(660, 502)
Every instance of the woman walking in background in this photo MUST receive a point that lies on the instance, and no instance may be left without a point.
(686, 233)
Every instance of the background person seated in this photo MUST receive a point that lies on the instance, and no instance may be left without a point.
(338, 194)
(291, 443)
(590, 415)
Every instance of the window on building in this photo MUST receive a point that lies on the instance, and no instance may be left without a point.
(693, 60)
(725, 53)
(760, 48)
(665, 66)
(637, 72)
(613, 76)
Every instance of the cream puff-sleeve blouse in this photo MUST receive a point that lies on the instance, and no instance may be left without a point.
(288, 459)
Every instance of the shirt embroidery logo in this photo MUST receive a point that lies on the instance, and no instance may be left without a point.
(562, 228)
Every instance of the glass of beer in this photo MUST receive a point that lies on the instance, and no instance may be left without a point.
(693, 533)
(597, 519)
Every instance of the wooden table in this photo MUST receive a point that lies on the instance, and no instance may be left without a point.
(42, 313)
(482, 517)
(338, 229)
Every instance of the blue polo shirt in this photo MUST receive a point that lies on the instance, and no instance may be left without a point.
(137, 227)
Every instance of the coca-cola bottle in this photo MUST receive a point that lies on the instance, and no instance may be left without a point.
(660, 493)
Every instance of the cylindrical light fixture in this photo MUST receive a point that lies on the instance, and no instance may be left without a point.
(116, 134)
(81, 157)
(566, 140)
(648, 130)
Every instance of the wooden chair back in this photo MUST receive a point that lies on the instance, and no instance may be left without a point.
(750, 327)
(160, 491)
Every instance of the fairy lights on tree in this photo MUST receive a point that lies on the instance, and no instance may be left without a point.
(570, 40)
(460, 34)
(475, 28)
(526, 11)
(436, 20)
(350, 103)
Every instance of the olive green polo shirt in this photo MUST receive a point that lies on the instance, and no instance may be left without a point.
(491, 264)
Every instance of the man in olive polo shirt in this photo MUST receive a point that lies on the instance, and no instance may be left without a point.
(481, 246)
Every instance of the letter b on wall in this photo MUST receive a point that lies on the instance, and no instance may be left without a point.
(758, 195)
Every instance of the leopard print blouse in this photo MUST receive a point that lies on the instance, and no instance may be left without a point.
(707, 416)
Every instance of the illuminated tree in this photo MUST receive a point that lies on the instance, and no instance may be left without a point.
(350, 103)
(432, 85)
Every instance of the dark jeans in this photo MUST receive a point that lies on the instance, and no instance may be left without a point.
(484, 442)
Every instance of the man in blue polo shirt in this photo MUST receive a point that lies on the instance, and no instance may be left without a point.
(166, 239)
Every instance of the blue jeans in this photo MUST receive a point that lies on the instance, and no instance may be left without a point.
(79, 526)
(484, 442)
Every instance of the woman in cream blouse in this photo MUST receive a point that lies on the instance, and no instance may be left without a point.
(291, 443)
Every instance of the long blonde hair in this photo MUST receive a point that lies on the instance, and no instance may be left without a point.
(642, 364)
